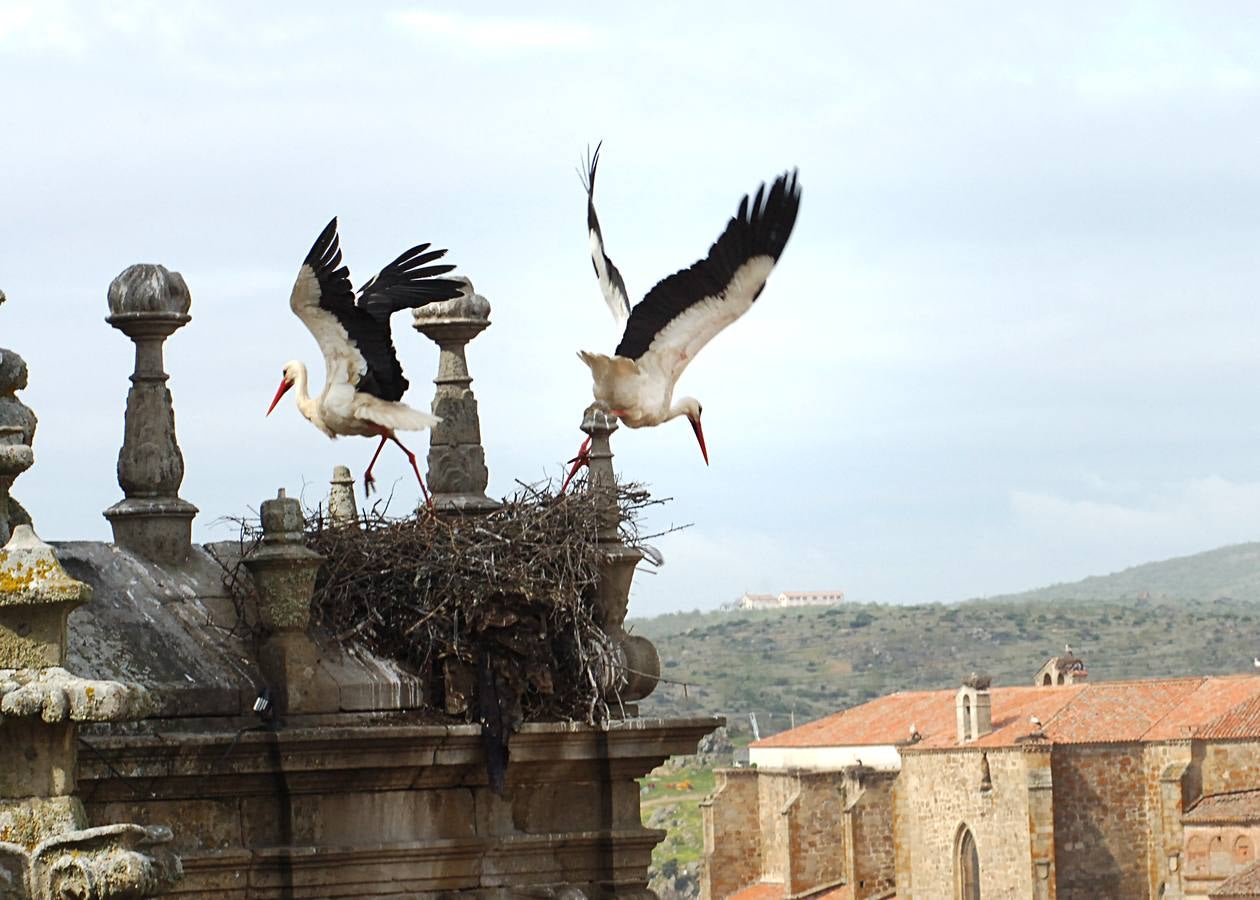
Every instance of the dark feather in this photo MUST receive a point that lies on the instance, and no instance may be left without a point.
(592, 223)
(405, 283)
(760, 228)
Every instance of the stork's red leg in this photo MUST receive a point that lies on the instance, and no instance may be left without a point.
(583, 458)
(411, 458)
(368, 480)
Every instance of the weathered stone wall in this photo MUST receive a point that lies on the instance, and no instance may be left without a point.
(871, 824)
(816, 845)
(732, 834)
(1100, 821)
(941, 794)
(1230, 766)
(774, 794)
(1172, 784)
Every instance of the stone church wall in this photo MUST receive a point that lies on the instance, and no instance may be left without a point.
(942, 794)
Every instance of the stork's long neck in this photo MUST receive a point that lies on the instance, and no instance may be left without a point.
(307, 405)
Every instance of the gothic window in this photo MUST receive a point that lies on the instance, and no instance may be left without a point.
(1244, 853)
(968, 867)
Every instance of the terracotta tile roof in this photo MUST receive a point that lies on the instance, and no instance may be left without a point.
(766, 890)
(1236, 806)
(1245, 884)
(762, 890)
(1092, 712)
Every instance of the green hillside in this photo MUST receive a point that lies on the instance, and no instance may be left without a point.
(1232, 571)
(1192, 615)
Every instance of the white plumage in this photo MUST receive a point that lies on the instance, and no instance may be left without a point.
(683, 312)
(363, 378)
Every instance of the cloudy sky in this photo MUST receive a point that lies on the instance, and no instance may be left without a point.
(1014, 339)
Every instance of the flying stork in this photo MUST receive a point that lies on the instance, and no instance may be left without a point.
(683, 312)
(363, 378)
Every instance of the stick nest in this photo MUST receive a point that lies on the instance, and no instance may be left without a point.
(502, 604)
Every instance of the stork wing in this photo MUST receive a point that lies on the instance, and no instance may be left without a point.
(405, 283)
(323, 300)
(610, 280)
(684, 311)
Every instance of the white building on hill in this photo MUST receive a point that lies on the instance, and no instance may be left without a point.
(787, 599)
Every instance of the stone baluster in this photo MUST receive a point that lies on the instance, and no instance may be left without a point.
(457, 461)
(17, 431)
(148, 303)
(283, 569)
(635, 669)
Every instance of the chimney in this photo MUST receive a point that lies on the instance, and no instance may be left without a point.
(973, 708)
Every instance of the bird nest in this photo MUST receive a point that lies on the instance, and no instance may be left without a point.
(500, 608)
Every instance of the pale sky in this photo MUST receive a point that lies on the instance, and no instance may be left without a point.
(1013, 340)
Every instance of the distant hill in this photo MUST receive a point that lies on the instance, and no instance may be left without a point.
(1232, 571)
(1193, 615)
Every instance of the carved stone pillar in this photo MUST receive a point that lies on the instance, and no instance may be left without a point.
(283, 569)
(636, 668)
(17, 431)
(457, 461)
(148, 303)
(47, 852)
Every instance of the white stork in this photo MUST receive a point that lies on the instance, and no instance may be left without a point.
(363, 378)
(683, 312)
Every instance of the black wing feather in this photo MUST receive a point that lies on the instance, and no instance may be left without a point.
(592, 223)
(400, 285)
(760, 228)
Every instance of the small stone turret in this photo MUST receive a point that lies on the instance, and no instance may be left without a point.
(148, 304)
(973, 706)
(1061, 670)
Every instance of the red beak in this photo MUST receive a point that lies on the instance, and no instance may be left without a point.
(695, 426)
(284, 386)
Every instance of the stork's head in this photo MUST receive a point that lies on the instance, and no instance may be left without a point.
(289, 377)
(692, 410)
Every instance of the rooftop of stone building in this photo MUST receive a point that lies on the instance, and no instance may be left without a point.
(1234, 806)
(1244, 884)
(772, 890)
(1098, 712)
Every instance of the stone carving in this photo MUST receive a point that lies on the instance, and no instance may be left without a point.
(46, 852)
(457, 462)
(342, 508)
(17, 431)
(283, 569)
(148, 304)
(635, 668)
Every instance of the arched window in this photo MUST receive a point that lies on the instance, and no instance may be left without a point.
(967, 864)
(968, 728)
(1244, 853)
(1218, 856)
(1060, 678)
(1197, 854)
(1047, 680)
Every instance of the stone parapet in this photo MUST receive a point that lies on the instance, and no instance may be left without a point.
(319, 809)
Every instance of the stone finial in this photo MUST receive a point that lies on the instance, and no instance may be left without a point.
(283, 567)
(635, 668)
(36, 598)
(148, 303)
(342, 507)
(17, 431)
(457, 461)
